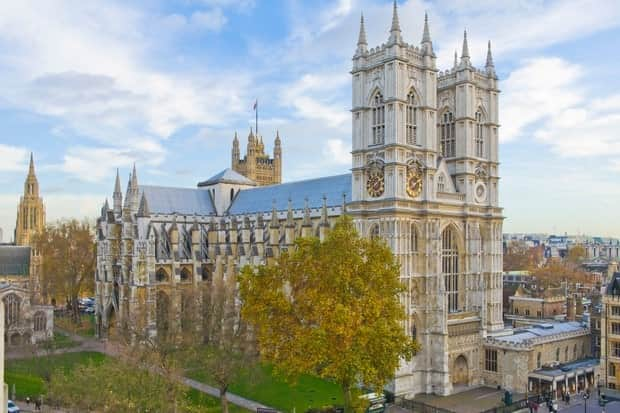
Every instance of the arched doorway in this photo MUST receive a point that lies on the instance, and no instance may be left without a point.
(460, 371)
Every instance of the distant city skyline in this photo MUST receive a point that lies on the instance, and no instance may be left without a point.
(167, 85)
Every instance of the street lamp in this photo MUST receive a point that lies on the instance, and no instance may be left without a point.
(586, 396)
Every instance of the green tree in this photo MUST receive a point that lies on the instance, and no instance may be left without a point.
(67, 251)
(331, 308)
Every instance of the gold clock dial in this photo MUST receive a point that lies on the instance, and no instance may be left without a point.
(375, 184)
(414, 182)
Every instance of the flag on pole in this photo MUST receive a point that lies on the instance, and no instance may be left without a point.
(255, 104)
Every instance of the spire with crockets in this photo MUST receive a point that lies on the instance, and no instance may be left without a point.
(395, 36)
(465, 58)
(427, 44)
(362, 43)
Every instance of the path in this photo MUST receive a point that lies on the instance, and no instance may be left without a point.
(110, 349)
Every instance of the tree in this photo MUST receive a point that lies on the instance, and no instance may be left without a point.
(555, 272)
(225, 347)
(67, 252)
(331, 308)
(519, 257)
(576, 254)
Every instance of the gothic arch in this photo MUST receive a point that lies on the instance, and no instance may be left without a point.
(458, 231)
(374, 231)
(452, 266)
(460, 371)
(372, 94)
(186, 274)
(161, 275)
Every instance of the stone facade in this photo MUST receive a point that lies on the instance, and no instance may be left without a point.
(517, 357)
(424, 177)
(25, 322)
(31, 210)
(546, 305)
(256, 164)
(610, 334)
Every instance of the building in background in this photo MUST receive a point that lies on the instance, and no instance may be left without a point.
(256, 165)
(26, 322)
(610, 333)
(31, 210)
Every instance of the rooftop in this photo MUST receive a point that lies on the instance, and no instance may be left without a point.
(14, 260)
(227, 176)
(183, 201)
(544, 330)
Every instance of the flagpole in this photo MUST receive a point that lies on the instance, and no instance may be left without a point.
(256, 106)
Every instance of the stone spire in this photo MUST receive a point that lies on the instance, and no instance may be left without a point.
(31, 166)
(427, 44)
(456, 63)
(307, 220)
(31, 185)
(289, 214)
(362, 44)
(490, 67)
(395, 36)
(134, 178)
(275, 222)
(465, 61)
(324, 217)
(31, 210)
(143, 210)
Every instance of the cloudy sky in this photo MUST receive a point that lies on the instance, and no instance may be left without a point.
(94, 86)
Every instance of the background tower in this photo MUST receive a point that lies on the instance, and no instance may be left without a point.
(256, 164)
(31, 210)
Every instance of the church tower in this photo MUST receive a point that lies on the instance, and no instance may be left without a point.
(31, 211)
(424, 178)
(256, 164)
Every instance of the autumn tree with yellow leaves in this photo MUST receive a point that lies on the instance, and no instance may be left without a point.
(331, 309)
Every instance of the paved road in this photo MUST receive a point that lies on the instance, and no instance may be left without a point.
(577, 406)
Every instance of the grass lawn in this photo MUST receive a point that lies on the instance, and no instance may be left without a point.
(263, 386)
(62, 340)
(28, 374)
(85, 329)
(28, 377)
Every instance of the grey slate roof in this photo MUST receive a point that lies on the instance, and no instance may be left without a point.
(261, 199)
(227, 176)
(542, 330)
(183, 201)
(14, 260)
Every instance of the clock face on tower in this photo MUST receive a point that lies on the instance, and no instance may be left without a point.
(414, 182)
(375, 184)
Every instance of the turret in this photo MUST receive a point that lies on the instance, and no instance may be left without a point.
(489, 66)
(236, 153)
(31, 185)
(251, 156)
(306, 225)
(427, 44)
(395, 35)
(277, 158)
(117, 196)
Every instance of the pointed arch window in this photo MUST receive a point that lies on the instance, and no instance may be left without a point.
(40, 321)
(161, 275)
(378, 119)
(374, 232)
(450, 267)
(441, 183)
(479, 138)
(12, 305)
(411, 119)
(447, 137)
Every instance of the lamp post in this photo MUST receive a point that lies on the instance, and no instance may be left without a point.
(586, 396)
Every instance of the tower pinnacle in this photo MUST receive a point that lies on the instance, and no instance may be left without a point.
(362, 43)
(427, 44)
(465, 52)
(395, 29)
(31, 166)
(489, 65)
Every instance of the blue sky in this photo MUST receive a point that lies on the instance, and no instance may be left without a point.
(94, 86)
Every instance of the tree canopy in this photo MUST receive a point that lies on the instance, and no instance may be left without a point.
(330, 308)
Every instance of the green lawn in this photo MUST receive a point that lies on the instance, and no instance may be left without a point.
(263, 386)
(85, 329)
(28, 377)
(28, 374)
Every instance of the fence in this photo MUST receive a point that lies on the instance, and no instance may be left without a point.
(419, 407)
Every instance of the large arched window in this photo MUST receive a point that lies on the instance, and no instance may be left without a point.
(374, 231)
(40, 321)
(378, 119)
(441, 183)
(479, 138)
(411, 119)
(447, 137)
(450, 267)
(12, 305)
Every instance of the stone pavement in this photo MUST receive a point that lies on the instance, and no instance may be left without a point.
(232, 398)
(468, 401)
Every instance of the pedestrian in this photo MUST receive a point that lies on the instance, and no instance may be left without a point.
(37, 404)
(28, 401)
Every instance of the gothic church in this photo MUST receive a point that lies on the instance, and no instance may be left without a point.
(424, 177)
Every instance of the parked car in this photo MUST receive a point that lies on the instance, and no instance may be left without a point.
(12, 407)
(89, 310)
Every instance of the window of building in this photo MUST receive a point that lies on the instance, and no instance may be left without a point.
(185, 274)
(374, 231)
(557, 354)
(539, 360)
(441, 183)
(413, 239)
(378, 120)
(566, 354)
(611, 385)
(615, 310)
(12, 304)
(161, 275)
(447, 137)
(575, 352)
(450, 267)
(527, 311)
(615, 347)
(612, 369)
(40, 321)
(539, 314)
(411, 119)
(490, 360)
(479, 138)
(615, 328)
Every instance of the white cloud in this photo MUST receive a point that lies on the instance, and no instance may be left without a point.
(209, 19)
(339, 151)
(13, 159)
(546, 96)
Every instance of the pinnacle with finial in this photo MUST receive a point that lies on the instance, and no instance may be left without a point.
(489, 56)
(117, 184)
(465, 52)
(426, 36)
(395, 29)
(455, 59)
(361, 40)
(134, 178)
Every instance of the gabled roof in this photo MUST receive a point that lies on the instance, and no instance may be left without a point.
(262, 198)
(227, 176)
(14, 260)
(183, 201)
